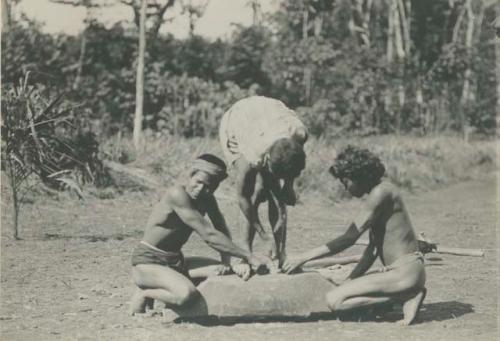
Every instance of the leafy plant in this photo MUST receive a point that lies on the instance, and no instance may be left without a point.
(37, 143)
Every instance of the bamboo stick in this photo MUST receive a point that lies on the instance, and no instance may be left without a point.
(329, 261)
(446, 250)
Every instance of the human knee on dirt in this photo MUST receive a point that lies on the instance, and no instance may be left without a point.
(264, 141)
(391, 238)
(159, 268)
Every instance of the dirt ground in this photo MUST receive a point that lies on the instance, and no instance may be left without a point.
(69, 278)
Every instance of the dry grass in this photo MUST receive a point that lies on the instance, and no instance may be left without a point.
(414, 164)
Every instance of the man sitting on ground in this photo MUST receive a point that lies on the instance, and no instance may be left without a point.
(391, 237)
(159, 269)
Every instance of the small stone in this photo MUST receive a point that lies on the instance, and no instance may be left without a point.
(82, 296)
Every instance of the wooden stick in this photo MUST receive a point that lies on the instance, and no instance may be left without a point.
(446, 250)
(459, 251)
(329, 261)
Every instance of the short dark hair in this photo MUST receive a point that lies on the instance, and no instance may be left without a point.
(213, 159)
(358, 164)
(287, 158)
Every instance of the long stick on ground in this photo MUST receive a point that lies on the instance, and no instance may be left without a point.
(329, 261)
(446, 250)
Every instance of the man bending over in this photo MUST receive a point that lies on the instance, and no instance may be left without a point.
(264, 141)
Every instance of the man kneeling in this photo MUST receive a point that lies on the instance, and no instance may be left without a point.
(159, 269)
(391, 237)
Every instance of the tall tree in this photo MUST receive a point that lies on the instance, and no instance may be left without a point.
(7, 6)
(155, 12)
(6, 15)
(139, 95)
(256, 11)
(194, 10)
(90, 6)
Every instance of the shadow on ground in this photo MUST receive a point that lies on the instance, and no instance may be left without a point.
(439, 311)
(442, 311)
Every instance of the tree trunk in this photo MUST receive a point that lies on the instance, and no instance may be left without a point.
(390, 32)
(139, 96)
(468, 72)
(256, 12)
(15, 199)
(305, 23)
(360, 21)
(497, 58)
(405, 15)
(6, 16)
(308, 84)
(81, 59)
(397, 30)
(458, 24)
(318, 24)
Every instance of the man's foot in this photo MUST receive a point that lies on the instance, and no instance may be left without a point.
(139, 302)
(411, 308)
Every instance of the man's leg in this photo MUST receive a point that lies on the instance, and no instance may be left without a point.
(288, 193)
(160, 283)
(405, 283)
(277, 219)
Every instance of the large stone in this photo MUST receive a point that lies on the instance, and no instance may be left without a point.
(276, 295)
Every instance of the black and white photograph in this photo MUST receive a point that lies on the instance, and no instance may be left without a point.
(250, 170)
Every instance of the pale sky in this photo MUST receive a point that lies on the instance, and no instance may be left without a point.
(216, 22)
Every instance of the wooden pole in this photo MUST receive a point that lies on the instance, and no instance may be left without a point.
(446, 250)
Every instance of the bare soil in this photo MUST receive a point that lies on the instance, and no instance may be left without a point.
(68, 279)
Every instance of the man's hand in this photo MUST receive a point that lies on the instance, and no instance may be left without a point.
(243, 270)
(222, 270)
(256, 261)
(288, 196)
(292, 263)
(232, 145)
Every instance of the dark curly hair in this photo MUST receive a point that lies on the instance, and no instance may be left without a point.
(287, 158)
(358, 164)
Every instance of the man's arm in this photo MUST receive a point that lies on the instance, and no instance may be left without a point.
(375, 203)
(219, 223)
(245, 184)
(366, 261)
(191, 217)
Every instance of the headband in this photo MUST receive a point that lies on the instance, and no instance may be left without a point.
(209, 168)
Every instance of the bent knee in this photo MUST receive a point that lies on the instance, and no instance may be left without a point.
(410, 281)
(184, 295)
(334, 300)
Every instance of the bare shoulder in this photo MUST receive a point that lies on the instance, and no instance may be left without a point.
(242, 165)
(175, 195)
(382, 193)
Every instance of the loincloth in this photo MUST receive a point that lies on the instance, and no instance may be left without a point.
(416, 256)
(224, 136)
(145, 253)
(253, 125)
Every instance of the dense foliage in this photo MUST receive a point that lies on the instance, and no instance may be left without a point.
(310, 54)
